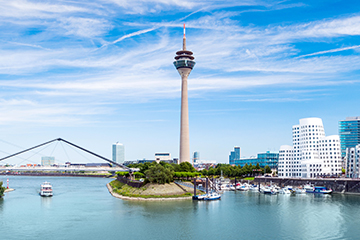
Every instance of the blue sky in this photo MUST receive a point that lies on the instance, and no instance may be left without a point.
(98, 72)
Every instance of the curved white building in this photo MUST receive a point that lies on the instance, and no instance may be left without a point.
(312, 154)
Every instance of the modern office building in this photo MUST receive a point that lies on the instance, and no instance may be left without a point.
(312, 154)
(352, 162)
(196, 157)
(162, 157)
(263, 159)
(118, 153)
(234, 155)
(47, 161)
(349, 132)
(184, 63)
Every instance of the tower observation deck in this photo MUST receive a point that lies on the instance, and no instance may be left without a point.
(184, 63)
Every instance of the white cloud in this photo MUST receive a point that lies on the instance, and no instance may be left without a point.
(85, 27)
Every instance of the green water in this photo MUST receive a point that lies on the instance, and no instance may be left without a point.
(82, 208)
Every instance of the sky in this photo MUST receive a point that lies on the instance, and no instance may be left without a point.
(101, 71)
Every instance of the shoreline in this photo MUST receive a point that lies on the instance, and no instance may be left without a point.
(143, 199)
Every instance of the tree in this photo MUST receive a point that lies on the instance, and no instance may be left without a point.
(204, 172)
(267, 169)
(159, 174)
(2, 189)
(211, 172)
(186, 167)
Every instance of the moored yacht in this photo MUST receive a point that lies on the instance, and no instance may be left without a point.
(322, 190)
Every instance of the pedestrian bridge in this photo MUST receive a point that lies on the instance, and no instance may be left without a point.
(68, 169)
(117, 167)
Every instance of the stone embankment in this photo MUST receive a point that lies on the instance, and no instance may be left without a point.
(338, 185)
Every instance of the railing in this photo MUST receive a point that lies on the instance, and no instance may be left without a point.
(188, 185)
(131, 183)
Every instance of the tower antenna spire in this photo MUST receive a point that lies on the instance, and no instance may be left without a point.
(184, 40)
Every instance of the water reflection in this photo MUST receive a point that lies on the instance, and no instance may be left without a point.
(46, 202)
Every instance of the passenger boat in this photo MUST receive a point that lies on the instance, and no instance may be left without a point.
(322, 190)
(46, 190)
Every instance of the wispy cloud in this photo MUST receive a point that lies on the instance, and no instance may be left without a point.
(329, 51)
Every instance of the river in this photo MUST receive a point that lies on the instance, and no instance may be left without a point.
(82, 208)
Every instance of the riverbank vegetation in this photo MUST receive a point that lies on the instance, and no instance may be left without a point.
(165, 173)
(236, 171)
(149, 190)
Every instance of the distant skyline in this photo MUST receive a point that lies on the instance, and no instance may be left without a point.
(98, 72)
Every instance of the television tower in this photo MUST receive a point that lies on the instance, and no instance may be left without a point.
(184, 64)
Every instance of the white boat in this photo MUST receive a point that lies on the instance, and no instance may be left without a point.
(225, 187)
(244, 187)
(285, 190)
(300, 191)
(46, 190)
(254, 188)
(322, 190)
(309, 189)
(212, 196)
(269, 190)
(232, 187)
(199, 197)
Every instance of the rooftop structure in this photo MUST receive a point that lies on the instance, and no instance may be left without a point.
(184, 64)
(162, 157)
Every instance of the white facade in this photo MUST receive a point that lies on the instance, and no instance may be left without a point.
(162, 157)
(312, 154)
(352, 162)
(118, 153)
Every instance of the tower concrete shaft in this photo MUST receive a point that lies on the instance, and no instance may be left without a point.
(184, 122)
(184, 64)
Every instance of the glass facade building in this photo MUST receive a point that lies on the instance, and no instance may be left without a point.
(118, 153)
(234, 155)
(196, 157)
(47, 161)
(349, 132)
(268, 158)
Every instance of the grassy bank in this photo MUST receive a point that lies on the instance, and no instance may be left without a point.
(158, 190)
